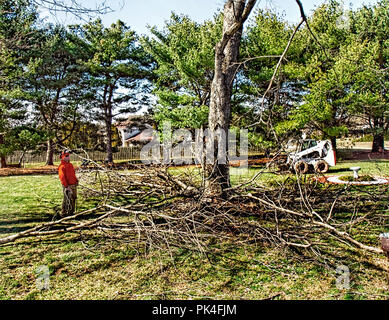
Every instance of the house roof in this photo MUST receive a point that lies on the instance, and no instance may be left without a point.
(144, 136)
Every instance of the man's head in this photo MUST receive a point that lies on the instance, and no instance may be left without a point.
(65, 156)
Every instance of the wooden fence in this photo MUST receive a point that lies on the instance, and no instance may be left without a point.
(133, 153)
(129, 154)
(28, 158)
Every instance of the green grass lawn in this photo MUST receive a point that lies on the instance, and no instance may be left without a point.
(240, 175)
(376, 167)
(84, 265)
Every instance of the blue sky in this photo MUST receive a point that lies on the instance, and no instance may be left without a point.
(140, 13)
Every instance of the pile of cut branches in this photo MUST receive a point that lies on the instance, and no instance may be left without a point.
(153, 208)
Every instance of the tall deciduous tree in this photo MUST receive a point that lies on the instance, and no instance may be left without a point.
(235, 14)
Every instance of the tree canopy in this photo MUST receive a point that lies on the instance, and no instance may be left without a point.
(332, 79)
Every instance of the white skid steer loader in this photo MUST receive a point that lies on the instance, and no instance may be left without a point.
(310, 154)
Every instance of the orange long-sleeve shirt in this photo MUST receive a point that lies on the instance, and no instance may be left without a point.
(67, 174)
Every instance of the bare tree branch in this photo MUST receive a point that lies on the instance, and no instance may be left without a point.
(76, 7)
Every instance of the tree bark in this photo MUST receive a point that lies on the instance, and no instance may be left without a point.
(107, 107)
(50, 153)
(22, 158)
(378, 143)
(108, 129)
(108, 124)
(3, 163)
(217, 175)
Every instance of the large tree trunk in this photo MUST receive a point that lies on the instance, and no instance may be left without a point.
(379, 137)
(378, 143)
(217, 177)
(21, 158)
(50, 153)
(3, 163)
(108, 124)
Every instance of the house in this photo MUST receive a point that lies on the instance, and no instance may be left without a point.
(137, 130)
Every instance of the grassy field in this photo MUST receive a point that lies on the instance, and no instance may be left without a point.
(87, 266)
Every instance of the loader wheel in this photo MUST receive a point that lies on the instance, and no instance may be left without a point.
(301, 167)
(321, 166)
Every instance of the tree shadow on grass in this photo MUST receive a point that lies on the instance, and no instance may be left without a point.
(42, 219)
(33, 220)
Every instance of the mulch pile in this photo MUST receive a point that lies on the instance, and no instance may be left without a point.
(13, 171)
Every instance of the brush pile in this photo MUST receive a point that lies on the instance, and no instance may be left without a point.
(156, 209)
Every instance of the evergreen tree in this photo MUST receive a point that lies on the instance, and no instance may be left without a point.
(17, 24)
(54, 85)
(117, 69)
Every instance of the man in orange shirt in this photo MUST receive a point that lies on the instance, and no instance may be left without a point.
(67, 176)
